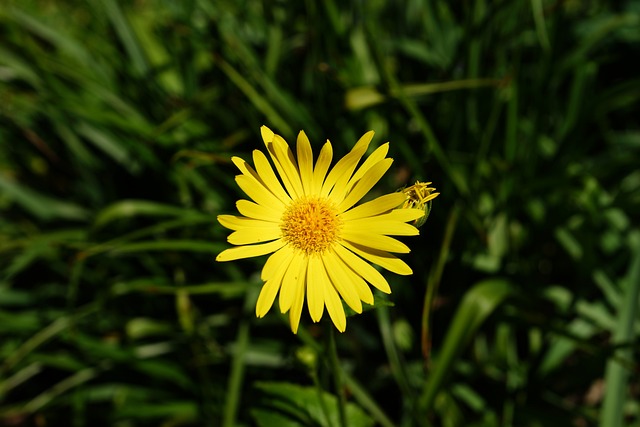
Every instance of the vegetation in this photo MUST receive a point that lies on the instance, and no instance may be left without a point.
(118, 120)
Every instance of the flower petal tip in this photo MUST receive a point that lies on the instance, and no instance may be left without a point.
(267, 134)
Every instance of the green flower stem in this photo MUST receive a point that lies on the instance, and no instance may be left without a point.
(395, 361)
(397, 365)
(360, 393)
(433, 282)
(237, 364)
(361, 396)
(336, 370)
(320, 390)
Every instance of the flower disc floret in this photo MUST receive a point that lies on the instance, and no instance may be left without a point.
(310, 225)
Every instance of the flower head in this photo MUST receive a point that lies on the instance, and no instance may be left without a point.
(321, 245)
(419, 196)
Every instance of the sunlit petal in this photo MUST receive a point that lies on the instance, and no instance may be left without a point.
(275, 261)
(270, 289)
(316, 281)
(334, 307)
(363, 268)
(249, 236)
(233, 222)
(381, 258)
(379, 154)
(342, 280)
(321, 168)
(305, 162)
(344, 168)
(249, 251)
(296, 308)
(375, 241)
(257, 192)
(264, 170)
(295, 275)
(377, 206)
(381, 226)
(261, 212)
(368, 180)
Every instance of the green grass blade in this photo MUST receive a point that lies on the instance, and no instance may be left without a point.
(477, 305)
(259, 101)
(617, 374)
(236, 376)
(127, 36)
(125, 209)
(43, 207)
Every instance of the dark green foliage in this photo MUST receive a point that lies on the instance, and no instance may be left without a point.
(117, 124)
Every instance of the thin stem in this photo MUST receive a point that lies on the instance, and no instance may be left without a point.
(234, 387)
(359, 393)
(397, 366)
(336, 370)
(321, 396)
(393, 355)
(433, 282)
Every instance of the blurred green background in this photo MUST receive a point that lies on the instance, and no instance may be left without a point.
(117, 123)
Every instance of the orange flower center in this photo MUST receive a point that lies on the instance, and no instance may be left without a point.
(310, 225)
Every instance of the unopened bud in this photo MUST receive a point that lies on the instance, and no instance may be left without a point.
(419, 196)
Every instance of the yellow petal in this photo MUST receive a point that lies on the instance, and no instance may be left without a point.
(296, 308)
(375, 241)
(267, 134)
(270, 288)
(249, 236)
(341, 172)
(381, 258)
(321, 168)
(305, 162)
(375, 207)
(379, 154)
(288, 185)
(258, 192)
(233, 222)
(269, 178)
(275, 261)
(403, 215)
(286, 165)
(334, 307)
(296, 271)
(244, 167)
(268, 182)
(343, 280)
(363, 269)
(316, 281)
(368, 180)
(279, 151)
(249, 251)
(264, 176)
(261, 212)
(267, 297)
(362, 288)
(392, 228)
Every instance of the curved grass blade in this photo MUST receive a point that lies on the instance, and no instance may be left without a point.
(617, 374)
(477, 305)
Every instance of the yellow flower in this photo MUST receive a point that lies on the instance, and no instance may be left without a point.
(320, 242)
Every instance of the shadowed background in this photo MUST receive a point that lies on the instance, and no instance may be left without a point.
(117, 123)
